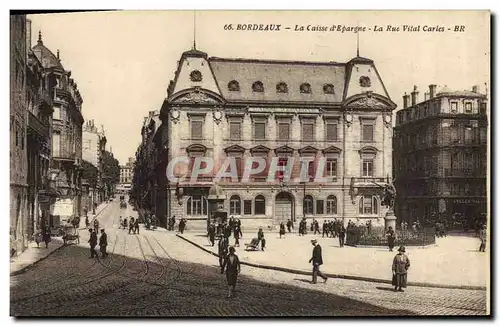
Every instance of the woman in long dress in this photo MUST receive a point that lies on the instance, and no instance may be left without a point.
(400, 266)
(232, 267)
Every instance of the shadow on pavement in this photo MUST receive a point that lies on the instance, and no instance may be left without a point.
(68, 283)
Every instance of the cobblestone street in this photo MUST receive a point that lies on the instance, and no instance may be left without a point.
(157, 274)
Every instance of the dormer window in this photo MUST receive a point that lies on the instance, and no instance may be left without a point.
(282, 88)
(364, 81)
(233, 86)
(328, 89)
(258, 87)
(196, 76)
(305, 88)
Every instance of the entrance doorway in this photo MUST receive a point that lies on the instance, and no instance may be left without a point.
(284, 208)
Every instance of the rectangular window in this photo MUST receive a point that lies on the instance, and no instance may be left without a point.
(56, 145)
(469, 135)
(308, 130)
(367, 168)
(331, 167)
(331, 131)
(368, 132)
(259, 130)
(247, 207)
(468, 107)
(320, 207)
(454, 107)
(482, 108)
(196, 129)
(57, 112)
(311, 171)
(235, 130)
(283, 131)
(260, 206)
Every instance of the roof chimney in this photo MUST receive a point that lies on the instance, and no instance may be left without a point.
(405, 101)
(426, 96)
(475, 88)
(414, 96)
(432, 91)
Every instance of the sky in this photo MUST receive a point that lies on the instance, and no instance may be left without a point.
(123, 61)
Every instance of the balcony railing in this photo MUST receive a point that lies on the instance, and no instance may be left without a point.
(37, 125)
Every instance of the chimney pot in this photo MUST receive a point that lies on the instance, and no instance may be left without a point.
(432, 91)
(414, 96)
(405, 101)
(426, 96)
(474, 88)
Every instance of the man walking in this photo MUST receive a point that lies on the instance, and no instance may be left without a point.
(317, 260)
(341, 235)
(103, 243)
(482, 237)
(93, 243)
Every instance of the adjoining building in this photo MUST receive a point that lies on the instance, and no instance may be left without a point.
(93, 147)
(67, 121)
(239, 108)
(126, 176)
(440, 157)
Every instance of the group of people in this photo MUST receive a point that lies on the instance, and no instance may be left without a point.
(103, 243)
(43, 236)
(133, 224)
(225, 230)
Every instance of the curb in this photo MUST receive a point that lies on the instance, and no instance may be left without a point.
(25, 268)
(346, 277)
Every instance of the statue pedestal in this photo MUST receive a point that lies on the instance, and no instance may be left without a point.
(390, 219)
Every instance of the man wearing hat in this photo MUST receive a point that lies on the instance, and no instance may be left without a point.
(103, 243)
(317, 260)
(93, 243)
(400, 266)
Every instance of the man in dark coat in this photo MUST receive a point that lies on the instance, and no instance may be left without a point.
(325, 228)
(136, 226)
(289, 226)
(93, 243)
(131, 226)
(211, 233)
(317, 260)
(103, 243)
(223, 247)
(341, 231)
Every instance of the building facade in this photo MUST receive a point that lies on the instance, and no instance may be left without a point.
(241, 108)
(18, 144)
(40, 92)
(66, 142)
(93, 147)
(440, 157)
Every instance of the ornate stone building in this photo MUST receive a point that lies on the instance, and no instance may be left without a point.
(18, 152)
(67, 122)
(40, 92)
(93, 147)
(220, 107)
(440, 157)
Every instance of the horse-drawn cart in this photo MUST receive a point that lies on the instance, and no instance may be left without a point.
(70, 234)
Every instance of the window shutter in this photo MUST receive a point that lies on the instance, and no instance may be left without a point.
(311, 170)
(239, 167)
(284, 131)
(235, 130)
(196, 129)
(368, 132)
(259, 130)
(331, 131)
(307, 131)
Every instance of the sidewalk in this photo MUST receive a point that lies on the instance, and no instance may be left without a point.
(33, 255)
(453, 262)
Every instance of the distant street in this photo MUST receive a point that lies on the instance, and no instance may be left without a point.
(157, 274)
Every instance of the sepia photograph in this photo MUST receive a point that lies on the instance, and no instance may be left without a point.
(205, 163)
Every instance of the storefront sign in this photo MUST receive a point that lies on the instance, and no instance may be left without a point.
(468, 201)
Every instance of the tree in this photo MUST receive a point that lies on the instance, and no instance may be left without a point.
(110, 169)
(90, 173)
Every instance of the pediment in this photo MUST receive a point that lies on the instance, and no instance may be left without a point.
(308, 149)
(370, 101)
(284, 149)
(234, 149)
(259, 149)
(196, 148)
(368, 150)
(196, 96)
(331, 150)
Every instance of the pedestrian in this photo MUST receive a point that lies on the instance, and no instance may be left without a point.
(289, 226)
(260, 237)
(317, 260)
(121, 222)
(232, 267)
(316, 227)
(325, 228)
(223, 244)
(211, 233)
(400, 266)
(482, 237)
(125, 223)
(103, 243)
(341, 232)
(136, 226)
(182, 225)
(131, 226)
(96, 226)
(46, 237)
(391, 237)
(237, 235)
(93, 243)
(282, 229)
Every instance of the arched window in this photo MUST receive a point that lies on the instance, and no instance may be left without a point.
(235, 205)
(233, 86)
(196, 205)
(260, 205)
(368, 205)
(258, 86)
(282, 88)
(331, 205)
(308, 205)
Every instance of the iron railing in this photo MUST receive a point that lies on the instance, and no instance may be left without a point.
(359, 236)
